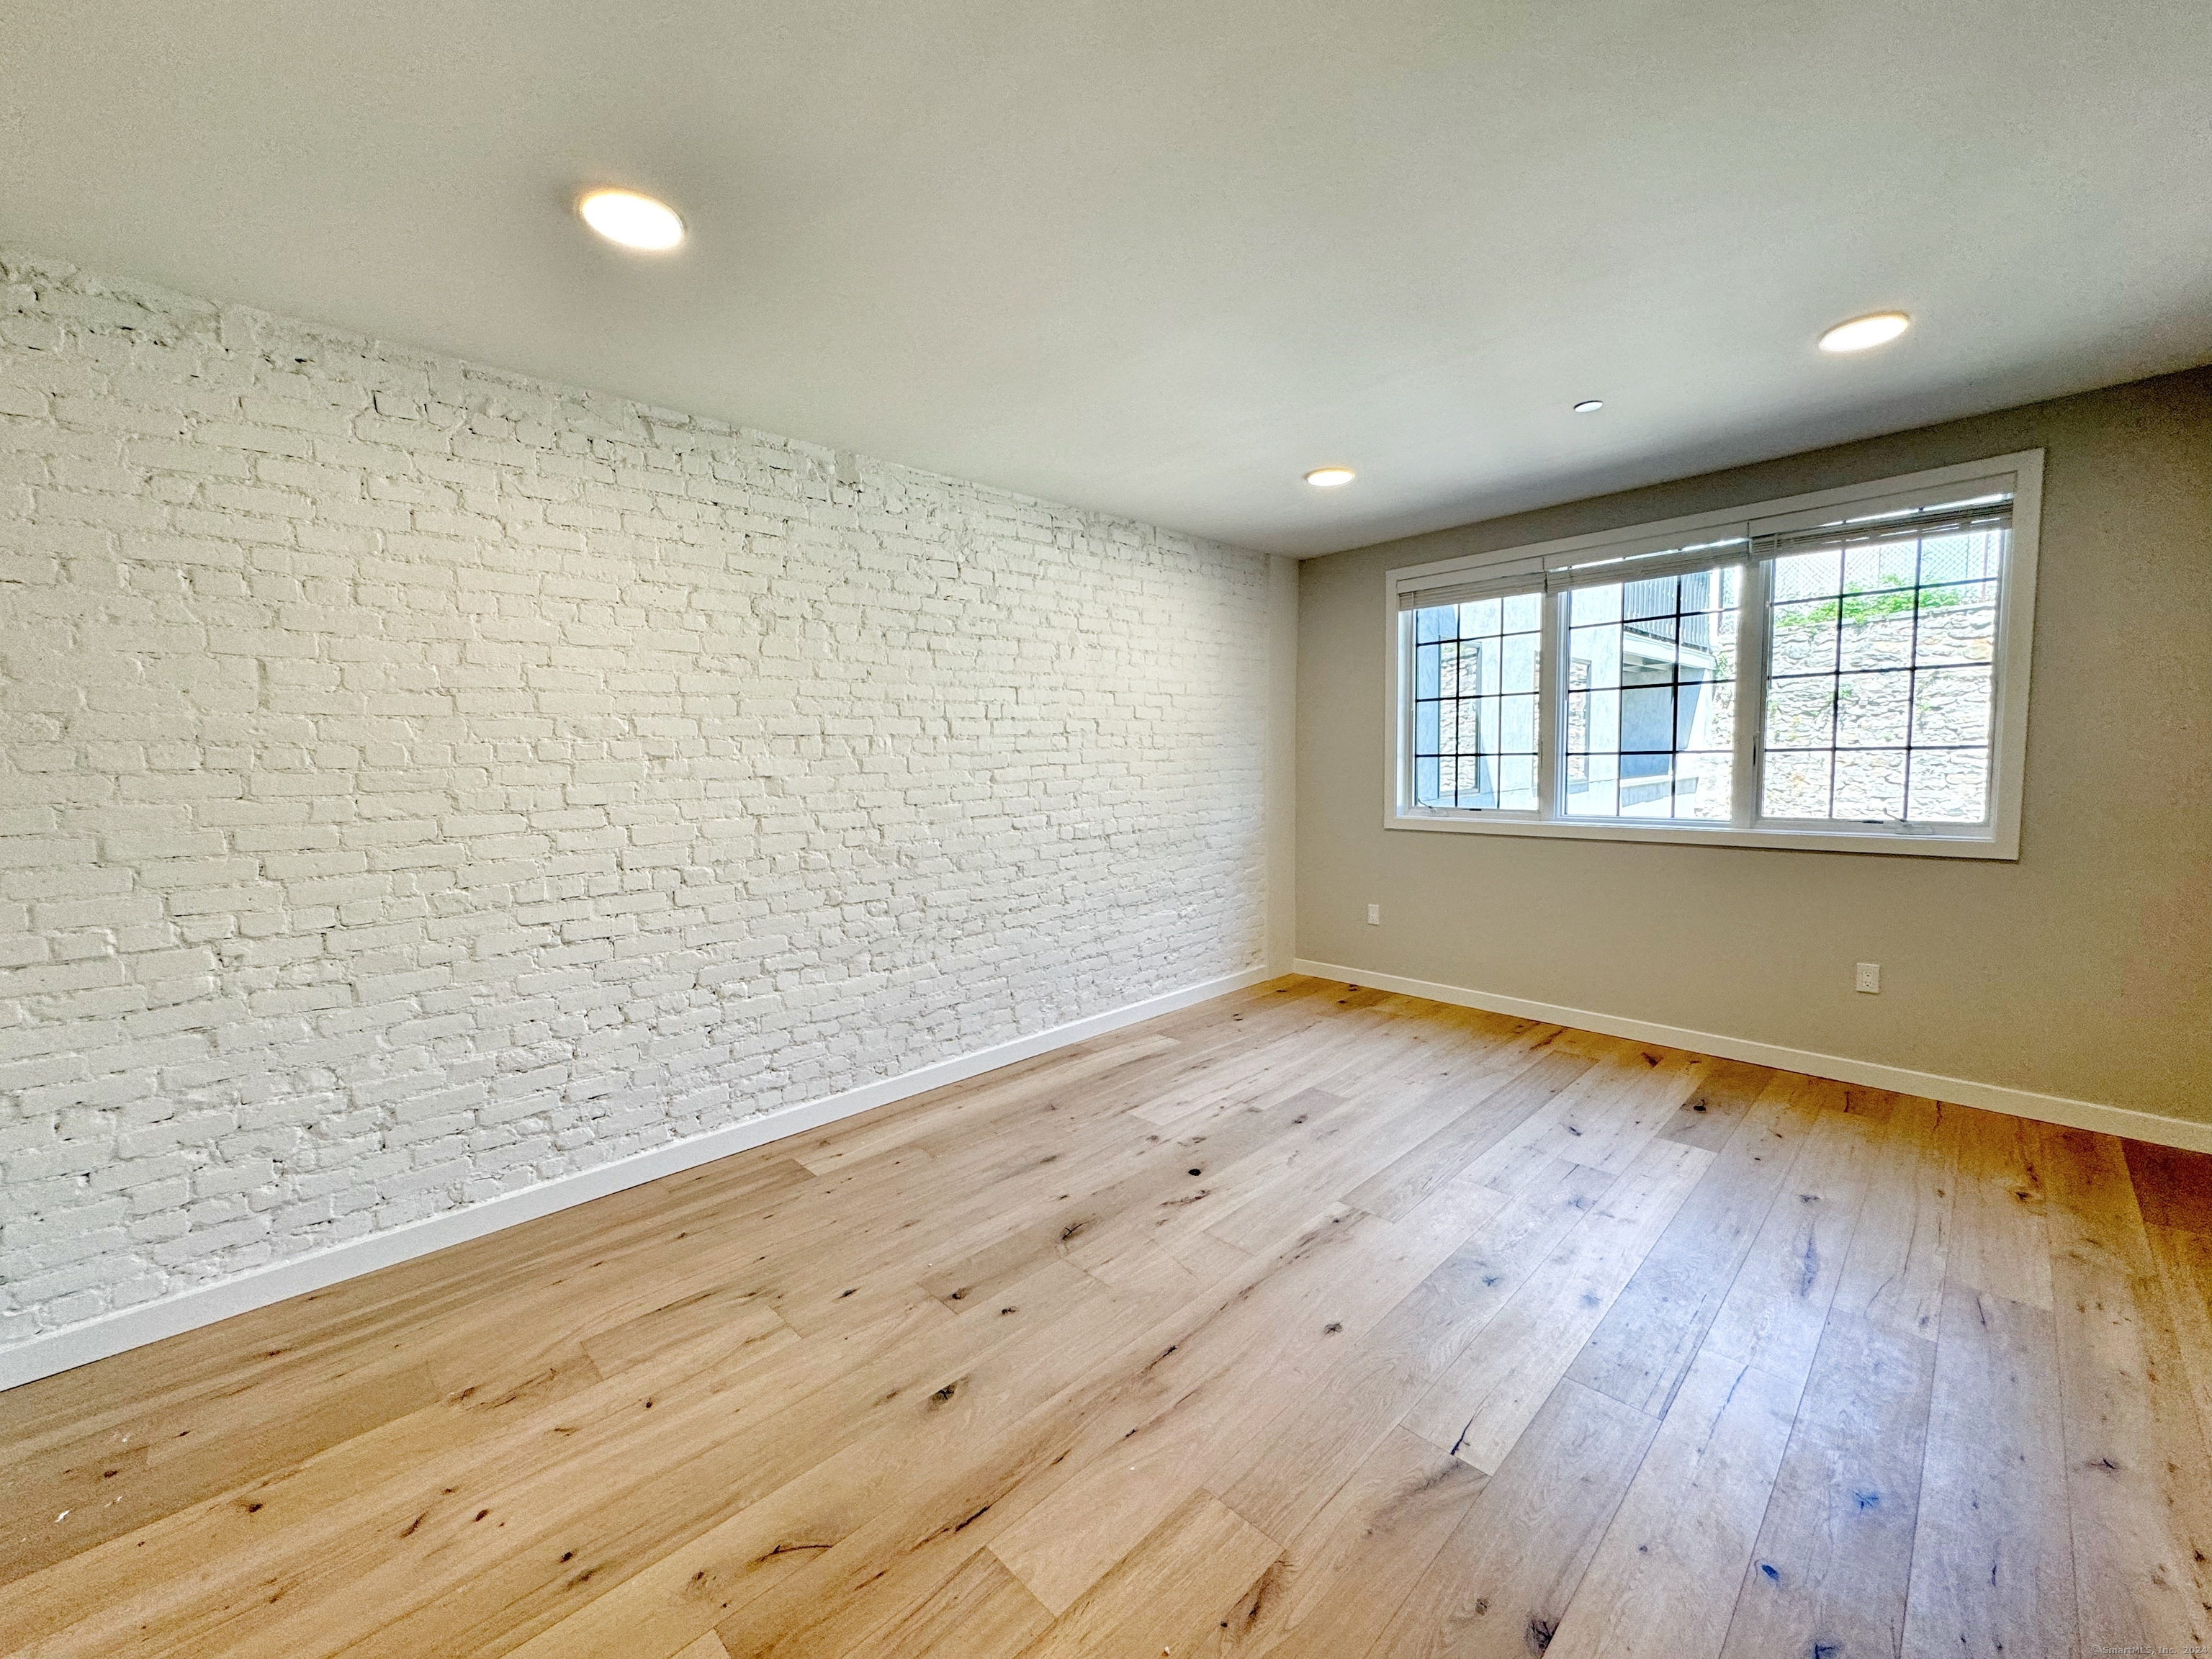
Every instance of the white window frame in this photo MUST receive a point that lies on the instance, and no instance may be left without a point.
(1997, 838)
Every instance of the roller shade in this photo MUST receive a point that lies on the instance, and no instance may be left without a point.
(1870, 523)
(1588, 567)
(1901, 525)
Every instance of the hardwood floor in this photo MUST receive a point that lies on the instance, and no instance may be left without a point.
(1308, 1321)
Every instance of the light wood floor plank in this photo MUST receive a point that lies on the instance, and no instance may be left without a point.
(1834, 1562)
(1775, 1310)
(1386, 1109)
(1421, 1169)
(1502, 1582)
(1709, 1117)
(1434, 1322)
(2173, 1188)
(2185, 1275)
(1628, 1081)
(2143, 1525)
(1479, 1406)
(1993, 1553)
(1219, 1373)
(2000, 1244)
(1642, 1348)
(1183, 1581)
(981, 1612)
(1666, 1575)
(1901, 1248)
(1344, 1573)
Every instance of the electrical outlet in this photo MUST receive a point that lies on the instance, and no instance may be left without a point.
(1374, 915)
(1869, 978)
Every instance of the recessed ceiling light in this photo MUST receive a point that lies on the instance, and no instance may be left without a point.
(1589, 405)
(1861, 332)
(1330, 477)
(633, 221)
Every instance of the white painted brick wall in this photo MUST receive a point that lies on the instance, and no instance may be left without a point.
(421, 781)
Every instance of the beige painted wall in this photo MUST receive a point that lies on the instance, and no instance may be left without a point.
(2083, 971)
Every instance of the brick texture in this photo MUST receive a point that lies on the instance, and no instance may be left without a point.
(421, 781)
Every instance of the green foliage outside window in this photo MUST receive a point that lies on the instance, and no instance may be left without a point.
(1868, 605)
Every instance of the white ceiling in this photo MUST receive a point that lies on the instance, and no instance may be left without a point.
(1160, 257)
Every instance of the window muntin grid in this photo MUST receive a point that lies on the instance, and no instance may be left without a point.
(1475, 721)
(1963, 714)
(1881, 683)
(1650, 697)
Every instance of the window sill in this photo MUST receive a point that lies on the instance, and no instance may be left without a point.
(1915, 844)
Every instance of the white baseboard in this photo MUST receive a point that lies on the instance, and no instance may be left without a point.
(1962, 1092)
(131, 1328)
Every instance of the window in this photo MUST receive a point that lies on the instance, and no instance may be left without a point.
(1651, 697)
(1474, 703)
(1846, 670)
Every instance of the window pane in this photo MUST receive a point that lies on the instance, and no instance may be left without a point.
(1484, 680)
(1516, 725)
(1804, 638)
(1892, 564)
(1517, 655)
(1807, 575)
(1462, 727)
(1873, 711)
(1953, 628)
(1647, 720)
(1800, 714)
(1796, 784)
(1870, 784)
(1949, 786)
(1595, 653)
(1426, 659)
(1951, 706)
(1459, 659)
(1517, 782)
(1713, 797)
(1716, 730)
(1970, 555)
(1877, 642)
(1601, 726)
(1475, 710)
(1595, 605)
(1880, 681)
(1651, 681)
